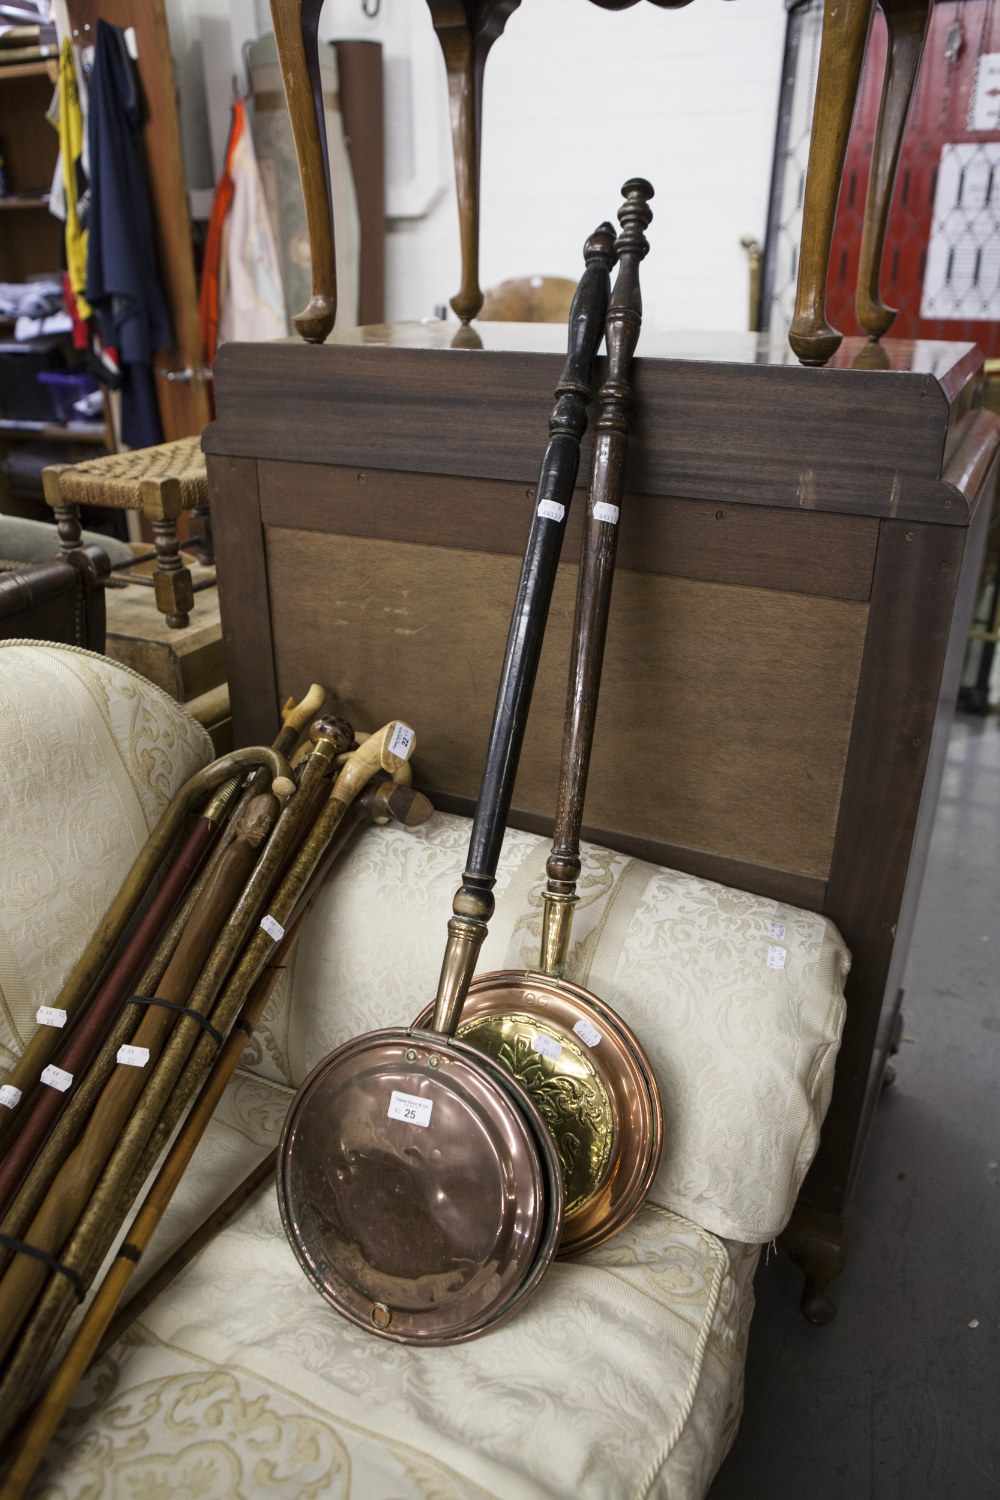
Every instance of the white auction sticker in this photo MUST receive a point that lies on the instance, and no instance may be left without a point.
(589, 1035)
(56, 1078)
(48, 1015)
(272, 928)
(402, 741)
(551, 510)
(776, 957)
(776, 930)
(133, 1057)
(411, 1108)
(10, 1096)
(605, 512)
(547, 1046)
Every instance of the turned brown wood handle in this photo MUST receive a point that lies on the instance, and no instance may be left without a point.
(296, 28)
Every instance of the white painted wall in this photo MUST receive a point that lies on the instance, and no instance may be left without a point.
(577, 99)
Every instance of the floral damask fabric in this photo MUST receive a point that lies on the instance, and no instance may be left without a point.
(621, 1379)
(737, 999)
(90, 754)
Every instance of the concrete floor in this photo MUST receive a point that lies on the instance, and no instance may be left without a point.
(899, 1398)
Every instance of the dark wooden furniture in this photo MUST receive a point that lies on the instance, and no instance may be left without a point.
(797, 559)
(56, 601)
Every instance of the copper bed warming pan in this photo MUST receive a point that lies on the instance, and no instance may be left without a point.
(417, 1184)
(585, 1069)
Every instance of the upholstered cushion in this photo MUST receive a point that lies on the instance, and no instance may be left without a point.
(621, 1378)
(22, 540)
(90, 754)
(738, 1000)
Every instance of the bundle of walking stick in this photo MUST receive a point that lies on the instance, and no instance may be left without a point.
(156, 1014)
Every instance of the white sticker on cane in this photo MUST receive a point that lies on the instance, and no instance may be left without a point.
(10, 1097)
(56, 1078)
(402, 741)
(133, 1057)
(551, 510)
(776, 930)
(49, 1015)
(776, 957)
(273, 928)
(547, 1046)
(588, 1034)
(605, 512)
(410, 1108)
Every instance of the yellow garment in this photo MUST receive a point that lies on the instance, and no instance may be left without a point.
(71, 147)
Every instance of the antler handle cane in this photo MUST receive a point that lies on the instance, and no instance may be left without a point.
(597, 565)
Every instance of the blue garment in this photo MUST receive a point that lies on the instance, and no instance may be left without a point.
(123, 285)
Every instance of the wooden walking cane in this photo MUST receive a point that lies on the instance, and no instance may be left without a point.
(67, 1197)
(41, 1047)
(82, 1096)
(167, 1092)
(385, 801)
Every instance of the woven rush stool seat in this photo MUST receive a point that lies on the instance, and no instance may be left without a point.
(161, 482)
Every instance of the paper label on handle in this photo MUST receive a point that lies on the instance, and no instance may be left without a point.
(776, 957)
(547, 1046)
(605, 512)
(402, 741)
(272, 928)
(410, 1108)
(56, 1078)
(588, 1034)
(10, 1097)
(133, 1057)
(49, 1015)
(551, 510)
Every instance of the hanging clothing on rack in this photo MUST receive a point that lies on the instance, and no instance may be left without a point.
(76, 187)
(241, 291)
(123, 285)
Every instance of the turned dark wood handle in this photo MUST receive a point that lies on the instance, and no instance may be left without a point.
(556, 479)
(597, 564)
(296, 34)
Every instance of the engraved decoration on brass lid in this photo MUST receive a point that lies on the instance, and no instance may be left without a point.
(567, 1091)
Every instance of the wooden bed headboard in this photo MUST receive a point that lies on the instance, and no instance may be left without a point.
(798, 554)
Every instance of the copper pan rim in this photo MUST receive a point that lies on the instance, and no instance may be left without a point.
(421, 1233)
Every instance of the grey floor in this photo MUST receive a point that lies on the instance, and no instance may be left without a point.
(899, 1398)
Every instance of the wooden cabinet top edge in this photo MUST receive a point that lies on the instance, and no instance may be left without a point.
(777, 433)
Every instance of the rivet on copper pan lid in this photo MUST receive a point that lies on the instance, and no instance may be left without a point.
(433, 1061)
(411, 1054)
(380, 1315)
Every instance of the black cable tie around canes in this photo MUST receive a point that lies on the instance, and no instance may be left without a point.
(182, 1010)
(21, 1247)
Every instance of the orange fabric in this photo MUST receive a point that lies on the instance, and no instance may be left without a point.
(210, 295)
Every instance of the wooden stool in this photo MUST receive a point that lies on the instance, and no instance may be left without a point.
(160, 482)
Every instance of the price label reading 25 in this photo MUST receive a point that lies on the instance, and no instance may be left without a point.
(410, 1108)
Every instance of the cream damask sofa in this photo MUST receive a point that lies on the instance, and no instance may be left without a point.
(623, 1376)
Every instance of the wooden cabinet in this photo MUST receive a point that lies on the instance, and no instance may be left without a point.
(799, 550)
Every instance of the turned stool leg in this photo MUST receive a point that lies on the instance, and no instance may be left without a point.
(845, 32)
(67, 513)
(161, 504)
(907, 22)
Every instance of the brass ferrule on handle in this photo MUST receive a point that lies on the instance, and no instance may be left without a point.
(557, 928)
(465, 938)
(221, 801)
